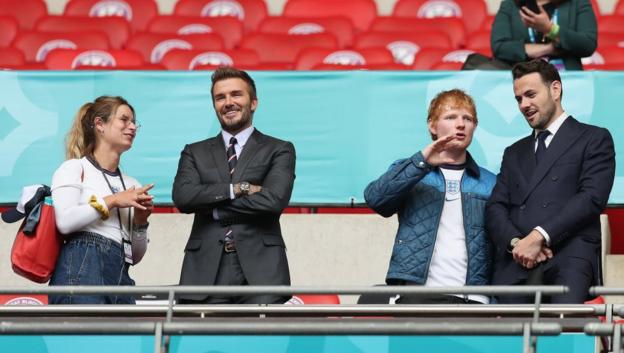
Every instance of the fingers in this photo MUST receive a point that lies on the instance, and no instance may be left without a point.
(145, 188)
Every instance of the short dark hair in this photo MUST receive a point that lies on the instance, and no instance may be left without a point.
(225, 72)
(547, 71)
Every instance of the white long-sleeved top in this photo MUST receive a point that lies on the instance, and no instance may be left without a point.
(71, 191)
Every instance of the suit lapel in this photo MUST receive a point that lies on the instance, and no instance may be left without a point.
(527, 158)
(247, 154)
(568, 133)
(217, 149)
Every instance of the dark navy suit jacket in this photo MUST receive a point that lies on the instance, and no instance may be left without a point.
(564, 195)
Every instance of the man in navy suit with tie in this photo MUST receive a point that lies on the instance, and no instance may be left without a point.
(544, 212)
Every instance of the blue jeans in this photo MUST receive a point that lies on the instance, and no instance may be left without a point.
(89, 259)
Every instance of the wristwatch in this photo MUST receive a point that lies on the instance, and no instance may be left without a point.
(244, 188)
(512, 244)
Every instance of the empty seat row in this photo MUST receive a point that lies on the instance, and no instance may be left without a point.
(307, 59)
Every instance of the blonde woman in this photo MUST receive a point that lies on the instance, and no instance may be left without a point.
(102, 212)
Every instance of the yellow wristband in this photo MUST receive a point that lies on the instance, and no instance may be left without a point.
(104, 214)
(554, 32)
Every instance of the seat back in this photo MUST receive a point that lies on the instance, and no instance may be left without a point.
(453, 27)
(154, 46)
(11, 57)
(282, 49)
(250, 12)
(403, 45)
(229, 28)
(8, 30)
(471, 12)
(37, 45)
(427, 58)
(137, 12)
(25, 12)
(340, 27)
(480, 41)
(310, 58)
(116, 29)
(360, 12)
(610, 24)
(72, 59)
(191, 59)
(302, 299)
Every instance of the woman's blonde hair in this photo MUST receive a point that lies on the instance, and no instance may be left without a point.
(80, 140)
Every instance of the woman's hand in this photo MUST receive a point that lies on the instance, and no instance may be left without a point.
(141, 215)
(538, 21)
(131, 197)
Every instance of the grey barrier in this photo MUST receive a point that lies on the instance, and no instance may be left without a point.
(301, 320)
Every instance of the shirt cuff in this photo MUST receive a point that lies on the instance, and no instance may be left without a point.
(232, 195)
(544, 234)
(215, 214)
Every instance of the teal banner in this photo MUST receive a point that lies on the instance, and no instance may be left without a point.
(347, 127)
(568, 342)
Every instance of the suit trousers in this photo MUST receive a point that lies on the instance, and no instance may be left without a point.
(230, 273)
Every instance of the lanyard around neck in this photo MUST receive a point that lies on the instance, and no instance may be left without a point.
(123, 185)
(553, 20)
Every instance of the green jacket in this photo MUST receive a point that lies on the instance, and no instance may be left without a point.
(577, 34)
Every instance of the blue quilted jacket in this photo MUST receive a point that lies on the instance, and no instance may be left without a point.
(416, 191)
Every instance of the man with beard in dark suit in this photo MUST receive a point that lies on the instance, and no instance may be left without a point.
(237, 184)
(544, 212)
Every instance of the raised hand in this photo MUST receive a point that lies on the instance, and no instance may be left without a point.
(434, 153)
(132, 197)
(538, 21)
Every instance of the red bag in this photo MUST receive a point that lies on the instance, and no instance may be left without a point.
(34, 256)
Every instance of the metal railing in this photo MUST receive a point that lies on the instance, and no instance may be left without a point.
(301, 320)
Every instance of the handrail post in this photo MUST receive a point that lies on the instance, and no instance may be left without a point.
(536, 312)
(617, 338)
(526, 338)
(158, 348)
(167, 339)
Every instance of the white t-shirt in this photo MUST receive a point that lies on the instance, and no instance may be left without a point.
(73, 213)
(449, 263)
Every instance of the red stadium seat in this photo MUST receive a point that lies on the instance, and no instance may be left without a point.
(447, 66)
(480, 41)
(229, 28)
(154, 46)
(426, 59)
(340, 27)
(596, 8)
(302, 299)
(37, 45)
(472, 12)
(403, 45)
(137, 12)
(610, 40)
(605, 56)
(282, 49)
(619, 8)
(71, 59)
(250, 12)
(309, 58)
(453, 27)
(259, 67)
(143, 67)
(487, 24)
(8, 30)
(11, 57)
(380, 67)
(25, 12)
(604, 67)
(610, 24)
(190, 59)
(360, 12)
(116, 29)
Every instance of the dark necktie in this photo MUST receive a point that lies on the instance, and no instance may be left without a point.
(231, 156)
(541, 145)
(231, 159)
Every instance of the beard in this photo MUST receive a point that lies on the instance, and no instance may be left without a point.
(234, 126)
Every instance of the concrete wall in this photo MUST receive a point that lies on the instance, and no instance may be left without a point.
(322, 249)
(275, 6)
